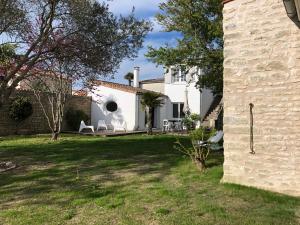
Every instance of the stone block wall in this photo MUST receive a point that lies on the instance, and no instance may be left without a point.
(262, 66)
(37, 123)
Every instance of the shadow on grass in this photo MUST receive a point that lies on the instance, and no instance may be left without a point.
(84, 168)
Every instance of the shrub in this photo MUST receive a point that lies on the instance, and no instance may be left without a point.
(74, 117)
(20, 109)
(190, 121)
(202, 134)
(198, 152)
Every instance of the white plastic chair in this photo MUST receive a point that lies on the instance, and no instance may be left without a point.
(101, 124)
(84, 126)
(120, 126)
(178, 126)
(166, 125)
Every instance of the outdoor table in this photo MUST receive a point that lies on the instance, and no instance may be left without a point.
(173, 121)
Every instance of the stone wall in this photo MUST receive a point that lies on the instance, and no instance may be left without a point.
(262, 66)
(37, 123)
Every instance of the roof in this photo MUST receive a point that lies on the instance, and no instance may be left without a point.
(123, 87)
(157, 80)
(80, 92)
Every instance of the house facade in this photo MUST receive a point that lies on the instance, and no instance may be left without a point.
(262, 95)
(176, 89)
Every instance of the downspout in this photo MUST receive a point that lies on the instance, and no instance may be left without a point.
(137, 112)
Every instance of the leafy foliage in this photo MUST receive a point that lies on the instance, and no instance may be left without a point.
(81, 39)
(7, 52)
(20, 109)
(190, 121)
(200, 24)
(74, 117)
(202, 134)
(151, 99)
(129, 76)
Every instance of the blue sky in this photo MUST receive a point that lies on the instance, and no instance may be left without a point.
(146, 9)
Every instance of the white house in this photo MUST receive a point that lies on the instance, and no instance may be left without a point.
(180, 86)
(117, 103)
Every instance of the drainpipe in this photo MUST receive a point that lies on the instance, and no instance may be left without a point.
(137, 113)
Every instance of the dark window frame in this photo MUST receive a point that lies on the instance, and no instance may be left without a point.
(177, 110)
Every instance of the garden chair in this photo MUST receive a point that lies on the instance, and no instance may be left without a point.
(84, 126)
(101, 124)
(120, 126)
(166, 126)
(212, 142)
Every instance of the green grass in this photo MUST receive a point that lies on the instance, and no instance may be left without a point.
(126, 180)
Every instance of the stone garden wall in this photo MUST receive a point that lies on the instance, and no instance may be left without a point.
(262, 67)
(37, 123)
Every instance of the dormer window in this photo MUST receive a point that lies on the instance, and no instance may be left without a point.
(178, 75)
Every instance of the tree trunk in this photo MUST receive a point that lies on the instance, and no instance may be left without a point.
(55, 136)
(149, 125)
(200, 163)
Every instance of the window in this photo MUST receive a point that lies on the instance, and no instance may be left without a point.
(178, 75)
(111, 106)
(178, 110)
(175, 75)
(182, 76)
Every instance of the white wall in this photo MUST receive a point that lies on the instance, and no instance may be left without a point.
(198, 102)
(126, 107)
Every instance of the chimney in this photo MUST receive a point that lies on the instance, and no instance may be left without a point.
(136, 77)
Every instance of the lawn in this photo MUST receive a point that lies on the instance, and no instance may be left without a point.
(126, 180)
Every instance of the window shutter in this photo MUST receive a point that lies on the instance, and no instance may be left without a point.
(175, 111)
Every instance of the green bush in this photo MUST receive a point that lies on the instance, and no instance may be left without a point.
(198, 153)
(74, 117)
(202, 134)
(20, 109)
(190, 121)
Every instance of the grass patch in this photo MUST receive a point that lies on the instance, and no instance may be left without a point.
(126, 180)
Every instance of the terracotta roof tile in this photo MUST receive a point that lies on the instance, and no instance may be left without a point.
(157, 80)
(122, 87)
(80, 93)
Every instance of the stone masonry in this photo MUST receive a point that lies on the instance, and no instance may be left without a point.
(37, 123)
(262, 66)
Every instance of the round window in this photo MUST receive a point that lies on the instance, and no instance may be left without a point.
(111, 106)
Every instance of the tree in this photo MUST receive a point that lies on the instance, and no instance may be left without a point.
(79, 34)
(201, 44)
(129, 76)
(151, 100)
(52, 90)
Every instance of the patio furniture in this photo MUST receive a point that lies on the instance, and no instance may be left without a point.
(120, 126)
(102, 124)
(166, 125)
(212, 142)
(84, 126)
(178, 126)
(175, 124)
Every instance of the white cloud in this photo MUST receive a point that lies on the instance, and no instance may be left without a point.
(143, 9)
